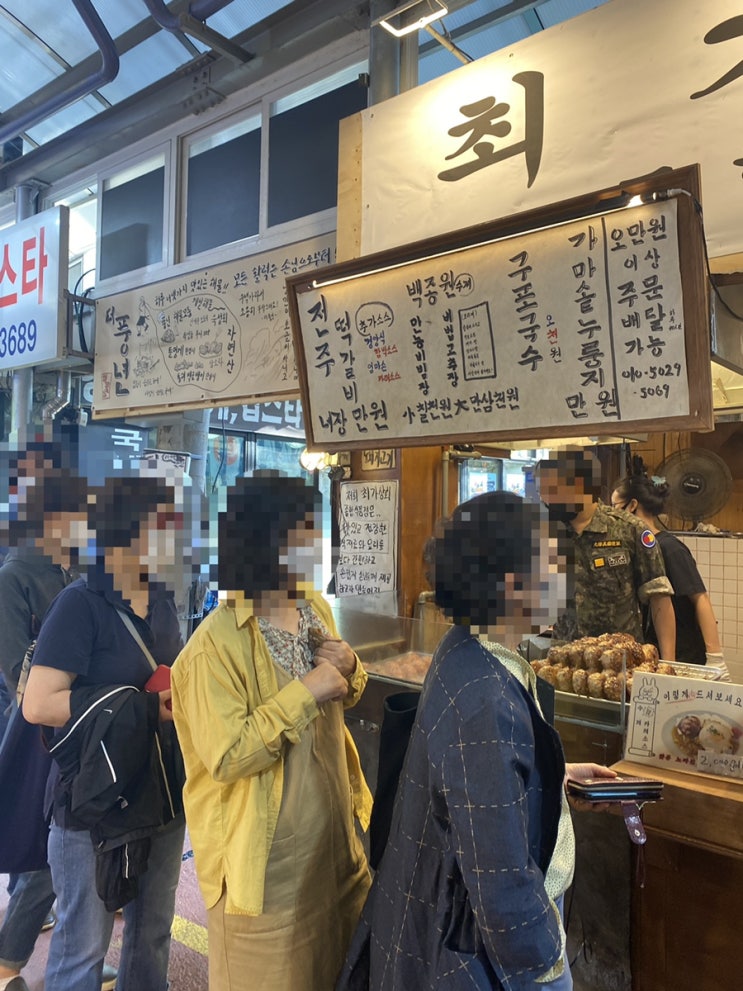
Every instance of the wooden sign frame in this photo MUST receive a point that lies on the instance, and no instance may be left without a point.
(213, 336)
(684, 185)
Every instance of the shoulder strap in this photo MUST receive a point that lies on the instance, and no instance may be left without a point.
(126, 620)
(25, 668)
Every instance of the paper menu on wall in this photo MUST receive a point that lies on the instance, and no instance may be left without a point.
(686, 724)
(367, 562)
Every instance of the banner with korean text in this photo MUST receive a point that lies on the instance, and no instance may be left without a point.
(214, 337)
(33, 277)
(618, 91)
(597, 325)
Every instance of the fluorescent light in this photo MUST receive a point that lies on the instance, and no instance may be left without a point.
(431, 13)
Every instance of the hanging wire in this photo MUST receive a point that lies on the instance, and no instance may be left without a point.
(77, 309)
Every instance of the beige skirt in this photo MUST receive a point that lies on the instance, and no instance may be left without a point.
(317, 878)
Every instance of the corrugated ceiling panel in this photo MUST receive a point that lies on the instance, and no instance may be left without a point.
(57, 25)
(243, 14)
(24, 66)
(155, 58)
(63, 121)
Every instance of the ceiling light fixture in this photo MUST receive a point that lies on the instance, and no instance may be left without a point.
(430, 10)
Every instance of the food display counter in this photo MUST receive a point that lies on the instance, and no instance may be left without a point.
(396, 652)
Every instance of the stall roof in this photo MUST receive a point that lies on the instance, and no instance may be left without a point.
(45, 43)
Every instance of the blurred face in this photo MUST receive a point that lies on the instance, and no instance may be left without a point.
(161, 549)
(531, 601)
(300, 558)
(65, 537)
(558, 491)
(154, 558)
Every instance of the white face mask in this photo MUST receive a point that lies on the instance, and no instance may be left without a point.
(161, 549)
(301, 556)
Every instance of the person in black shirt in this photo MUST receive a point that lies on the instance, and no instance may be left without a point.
(697, 637)
(95, 635)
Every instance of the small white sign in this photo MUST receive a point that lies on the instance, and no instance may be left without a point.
(34, 259)
(367, 563)
(686, 724)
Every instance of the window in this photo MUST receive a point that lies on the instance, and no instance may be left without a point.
(225, 460)
(477, 475)
(303, 146)
(83, 207)
(132, 212)
(223, 186)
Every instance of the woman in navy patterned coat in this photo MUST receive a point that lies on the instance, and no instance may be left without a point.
(481, 846)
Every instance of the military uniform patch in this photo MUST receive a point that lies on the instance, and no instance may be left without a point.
(648, 539)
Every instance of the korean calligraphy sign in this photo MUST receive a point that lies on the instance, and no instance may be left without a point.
(33, 276)
(554, 114)
(216, 337)
(576, 328)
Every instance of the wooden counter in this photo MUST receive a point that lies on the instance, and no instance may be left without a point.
(685, 921)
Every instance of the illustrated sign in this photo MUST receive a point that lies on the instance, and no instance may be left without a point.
(576, 328)
(686, 724)
(367, 562)
(218, 336)
(34, 259)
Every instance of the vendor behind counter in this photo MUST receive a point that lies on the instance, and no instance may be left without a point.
(614, 563)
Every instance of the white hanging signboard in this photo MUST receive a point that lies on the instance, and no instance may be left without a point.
(218, 336)
(34, 260)
(578, 327)
(617, 91)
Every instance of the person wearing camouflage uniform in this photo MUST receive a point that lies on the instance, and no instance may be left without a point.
(618, 567)
(615, 563)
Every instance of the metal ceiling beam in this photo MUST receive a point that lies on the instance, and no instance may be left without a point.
(186, 23)
(67, 92)
(277, 42)
(74, 76)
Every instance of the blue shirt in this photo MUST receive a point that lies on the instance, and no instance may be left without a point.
(84, 634)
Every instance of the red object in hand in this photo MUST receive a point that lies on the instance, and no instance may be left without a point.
(159, 680)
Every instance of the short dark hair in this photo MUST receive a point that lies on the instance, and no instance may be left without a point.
(573, 465)
(261, 510)
(649, 493)
(119, 506)
(53, 489)
(486, 538)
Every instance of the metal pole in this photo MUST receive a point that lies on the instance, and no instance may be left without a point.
(384, 56)
(21, 403)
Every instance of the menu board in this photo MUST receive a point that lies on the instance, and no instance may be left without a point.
(218, 336)
(367, 563)
(686, 724)
(577, 328)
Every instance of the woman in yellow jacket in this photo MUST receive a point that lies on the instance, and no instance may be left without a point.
(273, 781)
